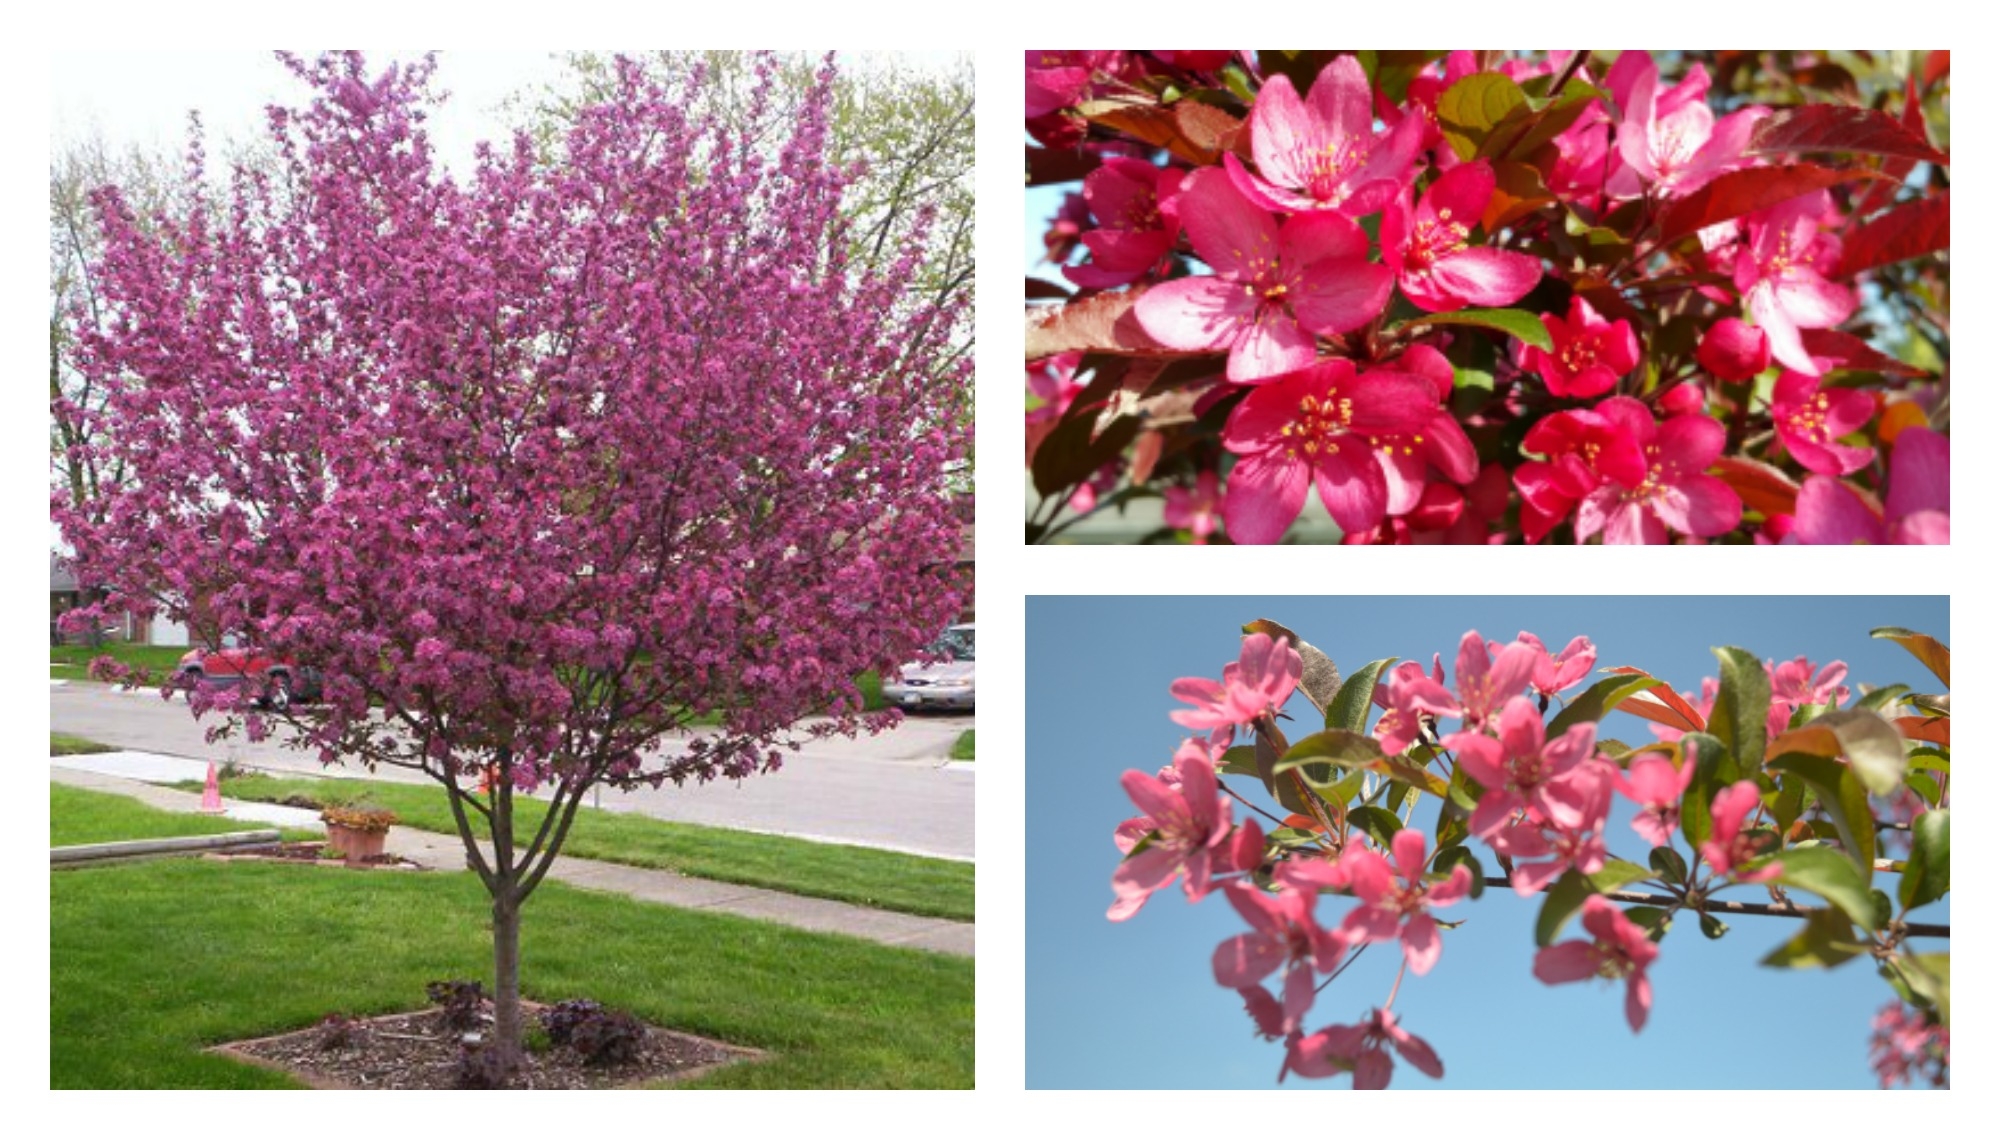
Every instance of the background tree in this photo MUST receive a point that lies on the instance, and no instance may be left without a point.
(539, 465)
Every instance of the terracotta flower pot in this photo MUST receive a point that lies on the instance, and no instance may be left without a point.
(355, 846)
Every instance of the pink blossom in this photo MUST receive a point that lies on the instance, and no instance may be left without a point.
(1322, 153)
(1312, 427)
(1058, 79)
(1674, 493)
(1670, 139)
(1795, 683)
(1065, 229)
(1136, 206)
(1656, 785)
(1555, 672)
(1197, 508)
(1053, 382)
(1430, 249)
(1362, 1049)
(1580, 848)
(1437, 443)
(1584, 448)
(1907, 1043)
(1487, 681)
(1409, 696)
(1778, 274)
(1282, 933)
(1620, 949)
(1274, 287)
(1190, 822)
(1260, 682)
(1400, 909)
(1521, 769)
(1733, 351)
(1590, 355)
(1916, 511)
(1810, 423)
(1729, 850)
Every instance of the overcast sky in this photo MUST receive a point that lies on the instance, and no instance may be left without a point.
(143, 98)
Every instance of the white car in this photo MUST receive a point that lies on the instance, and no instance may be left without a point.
(942, 684)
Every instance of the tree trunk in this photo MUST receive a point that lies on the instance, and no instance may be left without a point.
(507, 976)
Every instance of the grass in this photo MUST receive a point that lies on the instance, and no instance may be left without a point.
(80, 816)
(961, 749)
(885, 880)
(151, 962)
(63, 744)
(70, 662)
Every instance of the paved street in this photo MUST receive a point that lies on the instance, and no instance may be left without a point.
(894, 790)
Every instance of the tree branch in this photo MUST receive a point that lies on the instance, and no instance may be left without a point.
(1725, 906)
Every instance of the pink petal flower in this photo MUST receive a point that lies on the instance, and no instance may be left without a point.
(1620, 949)
(1733, 351)
(1810, 421)
(1321, 153)
(1429, 247)
(1590, 354)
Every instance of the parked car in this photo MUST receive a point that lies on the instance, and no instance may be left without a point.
(277, 682)
(945, 683)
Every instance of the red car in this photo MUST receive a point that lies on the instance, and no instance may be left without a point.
(276, 681)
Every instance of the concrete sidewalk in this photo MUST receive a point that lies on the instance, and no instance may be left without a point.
(125, 774)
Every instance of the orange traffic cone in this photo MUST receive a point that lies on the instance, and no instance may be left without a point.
(211, 793)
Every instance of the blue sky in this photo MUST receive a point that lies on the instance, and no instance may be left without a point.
(1134, 1005)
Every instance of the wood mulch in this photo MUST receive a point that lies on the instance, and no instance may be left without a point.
(416, 1051)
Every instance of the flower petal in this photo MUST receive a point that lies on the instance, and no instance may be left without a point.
(1263, 498)
(1195, 313)
(1491, 277)
(1566, 962)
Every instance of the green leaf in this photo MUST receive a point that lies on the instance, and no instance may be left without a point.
(1414, 775)
(1319, 679)
(1713, 927)
(1845, 801)
(1655, 921)
(1827, 939)
(1379, 824)
(1343, 790)
(1741, 707)
(1240, 761)
(1927, 876)
(1597, 702)
(1828, 874)
(1349, 707)
(1669, 864)
(1567, 895)
(1935, 655)
(1930, 976)
(1884, 698)
(1460, 855)
(1925, 787)
(1333, 746)
(1789, 804)
(1710, 759)
(1468, 110)
(1872, 746)
(1517, 323)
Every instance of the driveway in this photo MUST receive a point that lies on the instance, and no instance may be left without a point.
(894, 790)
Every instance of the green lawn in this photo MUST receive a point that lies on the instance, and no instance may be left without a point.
(885, 880)
(961, 749)
(69, 661)
(80, 816)
(63, 744)
(150, 962)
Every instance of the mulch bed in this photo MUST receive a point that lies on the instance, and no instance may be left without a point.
(416, 1051)
(313, 851)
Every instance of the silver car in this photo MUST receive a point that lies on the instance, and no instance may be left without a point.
(943, 684)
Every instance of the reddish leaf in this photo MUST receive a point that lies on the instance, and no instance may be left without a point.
(1660, 704)
(1937, 65)
(1145, 456)
(1103, 323)
(1912, 229)
(1852, 353)
(1762, 487)
(1931, 730)
(1741, 192)
(1048, 166)
(1518, 191)
(1194, 132)
(1832, 127)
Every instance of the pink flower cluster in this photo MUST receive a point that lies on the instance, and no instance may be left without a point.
(1301, 245)
(1908, 1046)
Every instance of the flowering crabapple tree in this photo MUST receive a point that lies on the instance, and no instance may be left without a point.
(1485, 297)
(1773, 795)
(538, 464)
